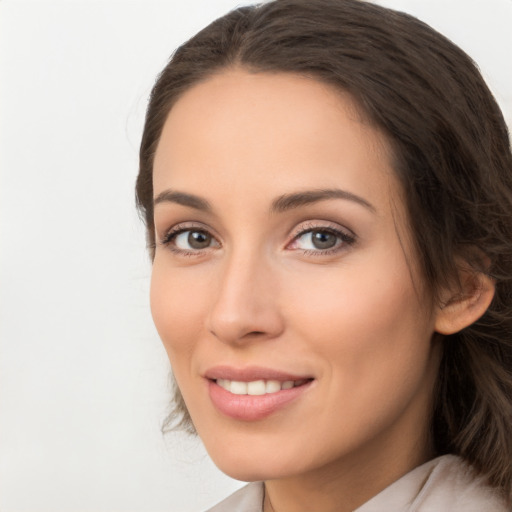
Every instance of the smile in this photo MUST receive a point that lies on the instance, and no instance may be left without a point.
(257, 387)
(252, 394)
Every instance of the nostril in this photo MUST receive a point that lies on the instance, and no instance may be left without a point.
(240, 325)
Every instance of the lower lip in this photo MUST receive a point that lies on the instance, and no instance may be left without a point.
(252, 407)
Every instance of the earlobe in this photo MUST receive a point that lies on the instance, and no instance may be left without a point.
(461, 308)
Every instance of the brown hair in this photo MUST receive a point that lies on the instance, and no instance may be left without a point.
(452, 157)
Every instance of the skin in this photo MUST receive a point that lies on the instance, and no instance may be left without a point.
(355, 318)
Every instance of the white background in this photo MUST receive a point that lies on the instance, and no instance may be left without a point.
(83, 377)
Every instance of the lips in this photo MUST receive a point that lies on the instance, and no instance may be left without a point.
(251, 394)
(257, 387)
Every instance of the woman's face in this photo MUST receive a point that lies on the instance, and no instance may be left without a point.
(284, 286)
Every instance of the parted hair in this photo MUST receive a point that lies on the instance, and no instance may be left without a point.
(451, 154)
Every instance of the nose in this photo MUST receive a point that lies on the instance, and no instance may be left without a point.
(245, 306)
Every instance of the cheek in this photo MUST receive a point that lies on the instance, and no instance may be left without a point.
(371, 338)
(178, 311)
(369, 321)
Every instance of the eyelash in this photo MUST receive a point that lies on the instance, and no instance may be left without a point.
(345, 239)
(171, 235)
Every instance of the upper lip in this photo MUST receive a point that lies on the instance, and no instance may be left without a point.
(251, 373)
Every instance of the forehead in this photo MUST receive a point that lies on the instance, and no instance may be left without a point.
(268, 133)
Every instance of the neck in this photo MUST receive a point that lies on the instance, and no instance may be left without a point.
(346, 484)
(349, 481)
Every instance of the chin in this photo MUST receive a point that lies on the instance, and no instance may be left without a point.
(261, 456)
(254, 459)
(245, 470)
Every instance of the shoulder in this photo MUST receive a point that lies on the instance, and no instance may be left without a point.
(246, 499)
(444, 484)
(453, 485)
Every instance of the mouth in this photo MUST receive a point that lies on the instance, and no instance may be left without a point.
(254, 394)
(259, 387)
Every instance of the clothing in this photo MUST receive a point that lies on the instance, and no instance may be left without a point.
(445, 484)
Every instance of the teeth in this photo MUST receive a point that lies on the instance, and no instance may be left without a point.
(273, 386)
(238, 388)
(257, 387)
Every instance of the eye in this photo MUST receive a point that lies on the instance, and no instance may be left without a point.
(186, 240)
(321, 240)
(197, 240)
(318, 240)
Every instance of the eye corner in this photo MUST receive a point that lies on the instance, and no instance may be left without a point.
(332, 238)
(189, 239)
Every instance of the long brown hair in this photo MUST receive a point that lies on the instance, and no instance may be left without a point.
(452, 157)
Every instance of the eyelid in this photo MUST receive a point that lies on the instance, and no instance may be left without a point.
(170, 234)
(184, 226)
(312, 225)
(346, 235)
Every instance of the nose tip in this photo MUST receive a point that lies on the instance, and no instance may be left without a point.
(245, 307)
(237, 329)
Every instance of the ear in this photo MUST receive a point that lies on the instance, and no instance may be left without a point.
(461, 306)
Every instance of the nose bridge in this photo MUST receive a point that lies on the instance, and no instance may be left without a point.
(245, 304)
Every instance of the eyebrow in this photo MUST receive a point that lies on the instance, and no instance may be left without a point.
(291, 201)
(281, 204)
(190, 200)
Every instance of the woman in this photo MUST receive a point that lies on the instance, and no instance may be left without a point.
(327, 188)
